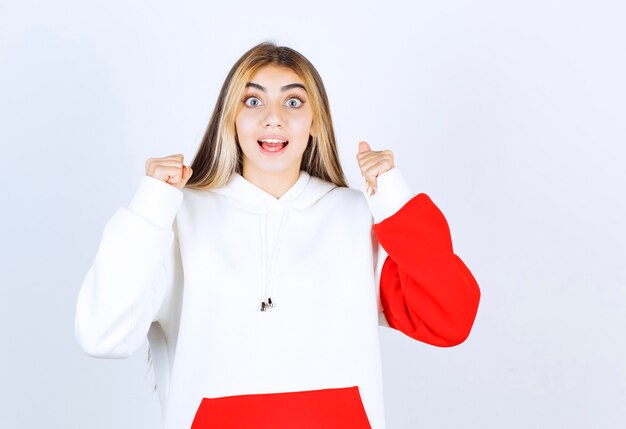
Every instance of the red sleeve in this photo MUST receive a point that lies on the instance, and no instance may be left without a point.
(426, 291)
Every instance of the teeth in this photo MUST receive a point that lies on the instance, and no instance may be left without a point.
(272, 141)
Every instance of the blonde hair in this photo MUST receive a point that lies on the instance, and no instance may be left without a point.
(219, 155)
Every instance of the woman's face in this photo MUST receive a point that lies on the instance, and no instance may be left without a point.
(274, 123)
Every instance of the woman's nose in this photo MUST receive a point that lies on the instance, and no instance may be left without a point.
(273, 116)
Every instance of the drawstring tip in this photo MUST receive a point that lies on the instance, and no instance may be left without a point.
(266, 305)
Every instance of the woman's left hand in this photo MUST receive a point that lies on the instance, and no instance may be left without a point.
(373, 163)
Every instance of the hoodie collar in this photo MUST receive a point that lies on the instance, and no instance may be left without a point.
(304, 193)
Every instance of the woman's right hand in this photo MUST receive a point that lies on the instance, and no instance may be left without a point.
(169, 169)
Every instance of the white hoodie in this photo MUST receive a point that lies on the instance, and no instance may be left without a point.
(190, 270)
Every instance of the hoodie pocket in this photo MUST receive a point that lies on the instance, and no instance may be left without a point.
(311, 409)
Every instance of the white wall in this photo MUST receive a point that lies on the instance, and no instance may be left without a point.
(510, 115)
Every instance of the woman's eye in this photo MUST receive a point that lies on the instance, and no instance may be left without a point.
(252, 102)
(294, 102)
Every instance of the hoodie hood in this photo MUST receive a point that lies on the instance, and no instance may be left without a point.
(273, 211)
(303, 194)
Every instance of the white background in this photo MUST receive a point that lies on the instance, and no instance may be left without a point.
(509, 114)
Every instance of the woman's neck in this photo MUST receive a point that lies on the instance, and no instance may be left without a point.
(275, 184)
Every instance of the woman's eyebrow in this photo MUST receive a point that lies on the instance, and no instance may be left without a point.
(284, 88)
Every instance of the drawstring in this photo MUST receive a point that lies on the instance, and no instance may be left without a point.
(281, 228)
(268, 276)
(264, 259)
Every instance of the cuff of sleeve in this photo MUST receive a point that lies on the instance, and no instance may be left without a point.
(392, 193)
(157, 201)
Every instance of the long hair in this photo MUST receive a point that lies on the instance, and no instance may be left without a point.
(219, 155)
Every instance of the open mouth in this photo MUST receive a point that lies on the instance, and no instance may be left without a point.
(272, 145)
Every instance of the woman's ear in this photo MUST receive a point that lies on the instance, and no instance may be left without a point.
(313, 130)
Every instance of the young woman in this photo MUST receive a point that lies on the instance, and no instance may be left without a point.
(260, 278)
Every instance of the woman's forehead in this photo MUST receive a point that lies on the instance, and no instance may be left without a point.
(275, 77)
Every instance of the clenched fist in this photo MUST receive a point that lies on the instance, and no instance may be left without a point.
(169, 169)
(373, 163)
